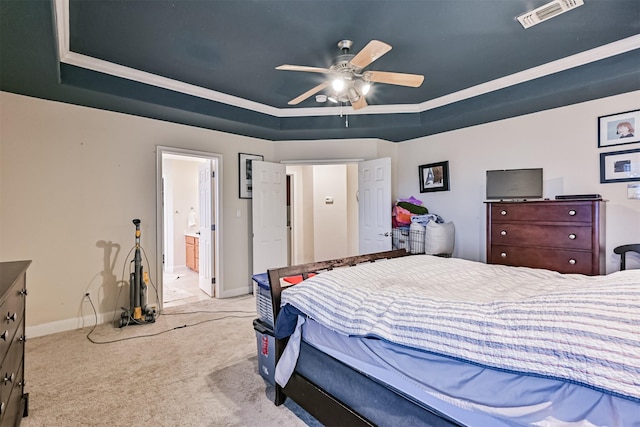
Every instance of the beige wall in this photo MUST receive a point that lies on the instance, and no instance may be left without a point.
(72, 179)
(562, 141)
(330, 225)
(365, 149)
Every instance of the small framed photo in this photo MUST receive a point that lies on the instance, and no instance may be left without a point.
(434, 177)
(246, 173)
(618, 129)
(620, 166)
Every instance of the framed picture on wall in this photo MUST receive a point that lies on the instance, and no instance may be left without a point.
(618, 129)
(245, 177)
(434, 177)
(620, 166)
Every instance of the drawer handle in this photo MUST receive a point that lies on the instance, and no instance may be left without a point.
(503, 233)
(572, 236)
(4, 335)
(503, 212)
(572, 261)
(8, 378)
(503, 254)
(572, 212)
(22, 338)
(11, 316)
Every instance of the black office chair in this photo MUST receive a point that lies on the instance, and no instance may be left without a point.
(622, 251)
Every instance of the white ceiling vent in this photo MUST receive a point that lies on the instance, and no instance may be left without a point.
(548, 11)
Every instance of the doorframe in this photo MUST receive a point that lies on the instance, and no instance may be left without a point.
(293, 245)
(217, 216)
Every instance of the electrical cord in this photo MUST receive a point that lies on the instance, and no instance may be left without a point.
(166, 330)
(253, 313)
(156, 314)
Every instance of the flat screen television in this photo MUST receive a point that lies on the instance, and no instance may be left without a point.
(514, 184)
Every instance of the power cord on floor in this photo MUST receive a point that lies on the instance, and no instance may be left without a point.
(166, 330)
(209, 311)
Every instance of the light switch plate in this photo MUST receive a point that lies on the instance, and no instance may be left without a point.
(633, 191)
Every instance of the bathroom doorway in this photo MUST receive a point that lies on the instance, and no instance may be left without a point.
(190, 205)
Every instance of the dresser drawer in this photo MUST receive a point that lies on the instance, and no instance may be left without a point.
(12, 409)
(11, 370)
(12, 309)
(558, 236)
(11, 313)
(563, 261)
(558, 211)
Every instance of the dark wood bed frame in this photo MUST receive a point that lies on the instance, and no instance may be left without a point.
(323, 406)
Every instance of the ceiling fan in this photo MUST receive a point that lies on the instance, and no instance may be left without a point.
(348, 80)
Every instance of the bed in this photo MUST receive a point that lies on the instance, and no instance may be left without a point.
(391, 339)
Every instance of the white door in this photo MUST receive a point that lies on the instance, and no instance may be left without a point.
(205, 183)
(269, 212)
(374, 205)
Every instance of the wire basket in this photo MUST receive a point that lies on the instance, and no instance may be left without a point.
(410, 240)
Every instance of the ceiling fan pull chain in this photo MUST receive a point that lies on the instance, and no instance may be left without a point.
(346, 120)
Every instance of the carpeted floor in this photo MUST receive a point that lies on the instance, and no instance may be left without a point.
(164, 373)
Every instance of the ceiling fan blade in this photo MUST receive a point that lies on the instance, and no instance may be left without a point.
(308, 93)
(400, 79)
(372, 51)
(360, 103)
(288, 67)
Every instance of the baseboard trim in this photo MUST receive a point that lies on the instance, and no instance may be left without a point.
(90, 320)
(236, 292)
(68, 324)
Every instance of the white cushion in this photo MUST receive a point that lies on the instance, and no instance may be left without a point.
(439, 238)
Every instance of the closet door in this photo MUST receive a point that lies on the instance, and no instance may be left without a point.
(374, 205)
(269, 209)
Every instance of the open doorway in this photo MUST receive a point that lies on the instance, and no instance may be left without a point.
(365, 193)
(322, 211)
(189, 212)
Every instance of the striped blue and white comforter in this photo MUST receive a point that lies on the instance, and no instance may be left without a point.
(565, 326)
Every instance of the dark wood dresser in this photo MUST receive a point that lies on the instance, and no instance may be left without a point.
(13, 292)
(565, 236)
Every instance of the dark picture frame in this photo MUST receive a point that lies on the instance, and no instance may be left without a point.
(434, 177)
(620, 166)
(245, 174)
(619, 129)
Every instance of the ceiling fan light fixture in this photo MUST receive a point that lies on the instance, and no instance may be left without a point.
(338, 84)
(332, 99)
(353, 94)
(365, 87)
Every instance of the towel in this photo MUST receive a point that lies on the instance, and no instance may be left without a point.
(191, 220)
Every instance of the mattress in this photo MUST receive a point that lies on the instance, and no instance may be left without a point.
(471, 394)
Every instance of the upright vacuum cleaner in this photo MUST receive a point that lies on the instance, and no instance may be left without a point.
(138, 312)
